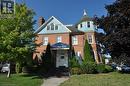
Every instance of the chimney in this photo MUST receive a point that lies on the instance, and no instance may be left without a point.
(41, 21)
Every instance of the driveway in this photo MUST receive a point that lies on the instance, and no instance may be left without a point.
(54, 81)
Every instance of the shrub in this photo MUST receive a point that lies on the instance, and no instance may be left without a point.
(88, 68)
(101, 68)
(108, 68)
(73, 62)
(75, 70)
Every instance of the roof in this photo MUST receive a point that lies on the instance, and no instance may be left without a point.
(46, 22)
(60, 45)
(85, 18)
(74, 29)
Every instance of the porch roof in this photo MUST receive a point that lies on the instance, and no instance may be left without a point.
(59, 46)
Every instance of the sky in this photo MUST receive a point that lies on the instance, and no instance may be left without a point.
(67, 11)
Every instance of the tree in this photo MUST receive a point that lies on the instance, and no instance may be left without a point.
(48, 60)
(117, 27)
(16, 36)
(87, 53)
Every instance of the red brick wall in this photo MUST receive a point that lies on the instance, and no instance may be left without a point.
(80, 46)
(51, 40)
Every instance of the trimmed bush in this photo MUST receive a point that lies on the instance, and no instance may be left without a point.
(88, 68)
(75, 70)
(108, 68)
(101, 68)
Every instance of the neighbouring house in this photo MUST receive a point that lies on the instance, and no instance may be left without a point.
(64, 38)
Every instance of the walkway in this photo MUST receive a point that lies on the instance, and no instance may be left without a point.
(54, 81)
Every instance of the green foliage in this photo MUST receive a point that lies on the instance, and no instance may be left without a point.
(73, 62)
(18, 68)
(117, 28)
(102, 68)
(75, 70)
(16, 36)
(108, 68)
(87, 53)
(88, 68)
(48, 60)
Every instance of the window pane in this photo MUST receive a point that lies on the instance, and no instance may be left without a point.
(74, 40)
(59, 39)
(56, 27)
(88, 24)
(81, 25)
(45, 41)
(89, 38)
(52, 26)
(48, 27)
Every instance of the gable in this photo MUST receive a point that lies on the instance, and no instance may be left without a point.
(52, 25)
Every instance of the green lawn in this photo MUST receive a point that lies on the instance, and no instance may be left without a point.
(20, 80)
(110, 79)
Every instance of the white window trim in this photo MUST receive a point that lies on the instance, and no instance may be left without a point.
(59, 39)
(45, 40)
(74, 40)
(91, 38)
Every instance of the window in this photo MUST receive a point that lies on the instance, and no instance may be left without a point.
(59, 39)
(88, 24)
(48, 27)
(81, 25)
(45, 41)
(56, 27)
(52, 26)
(89, 38)
(74, 40)
(79, 53)
(62, 57)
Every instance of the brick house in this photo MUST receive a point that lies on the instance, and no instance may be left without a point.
(64, 38)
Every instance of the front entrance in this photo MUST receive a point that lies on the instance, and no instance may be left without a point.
(62, 58)
(60, 53)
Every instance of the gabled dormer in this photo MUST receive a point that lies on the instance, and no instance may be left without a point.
(52, 25)
(86, 23)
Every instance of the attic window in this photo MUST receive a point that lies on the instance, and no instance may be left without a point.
(48, 27)
(56, 27)
(52, 26)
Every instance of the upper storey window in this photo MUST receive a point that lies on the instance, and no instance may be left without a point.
(81, 25)
(59, 39)
(48, 27)
(52, 26)
(88, 24)
(90, 40)
(45, 40)
(74, 40)
(56, 27)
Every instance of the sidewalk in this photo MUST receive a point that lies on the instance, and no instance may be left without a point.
(54, 81)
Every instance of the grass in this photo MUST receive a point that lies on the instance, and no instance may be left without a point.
(20, 80)
(110, 79)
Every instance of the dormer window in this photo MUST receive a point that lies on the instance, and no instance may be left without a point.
(48, 27)
(56, 27)
(88, 24)
(52, 26)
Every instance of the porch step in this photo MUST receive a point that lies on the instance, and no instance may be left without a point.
(62, 72)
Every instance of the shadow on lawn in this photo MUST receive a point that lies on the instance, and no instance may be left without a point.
(33, 75)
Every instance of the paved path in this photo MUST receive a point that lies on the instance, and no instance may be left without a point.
(54, 81)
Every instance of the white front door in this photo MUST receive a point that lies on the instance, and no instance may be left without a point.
(62, 58)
